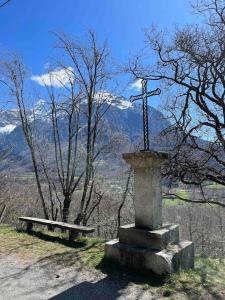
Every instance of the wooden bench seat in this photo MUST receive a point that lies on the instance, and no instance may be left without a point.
(72, 228)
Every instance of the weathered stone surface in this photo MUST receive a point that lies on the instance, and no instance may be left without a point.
(155, 239)
(147, 187)
(169, 260)
(140, 158)
(147, 244)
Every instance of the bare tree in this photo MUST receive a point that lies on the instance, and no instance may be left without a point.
(63, 110)
(91, 72)
(74, 108)
(191, 64)
(124, 196)
(13, 79)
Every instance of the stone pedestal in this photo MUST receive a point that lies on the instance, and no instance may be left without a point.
(147, 187)
(160, 251)
(148, 244)
(155, 239)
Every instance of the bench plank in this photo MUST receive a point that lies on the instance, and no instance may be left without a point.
(68, 226)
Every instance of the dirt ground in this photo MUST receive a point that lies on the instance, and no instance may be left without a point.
(42, 279)
(39, 266)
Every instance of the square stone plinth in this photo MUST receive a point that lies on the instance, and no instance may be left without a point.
(172, 259)
(150, 239)
(147, 187)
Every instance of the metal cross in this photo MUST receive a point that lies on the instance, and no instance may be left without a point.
(144, 96)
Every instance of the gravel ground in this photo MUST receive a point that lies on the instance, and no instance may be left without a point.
(44, 279)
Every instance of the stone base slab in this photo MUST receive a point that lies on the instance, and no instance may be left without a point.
(172, 259)
(154, 239)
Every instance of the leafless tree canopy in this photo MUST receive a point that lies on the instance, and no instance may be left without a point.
(77, 141)
(191, 64)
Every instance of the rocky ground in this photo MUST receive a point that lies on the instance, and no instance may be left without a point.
(46, 266)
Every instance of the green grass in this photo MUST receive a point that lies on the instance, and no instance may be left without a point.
(39, 244)
(176, 201)
(215, 186)
(25, 176)
(206, 280)
(208, 277)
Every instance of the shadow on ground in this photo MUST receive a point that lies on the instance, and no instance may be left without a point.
(111, 287)
(53, 239)
(82, 272)
(103, 289)
(113, 269)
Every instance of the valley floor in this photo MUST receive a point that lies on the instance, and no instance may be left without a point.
(46, 266)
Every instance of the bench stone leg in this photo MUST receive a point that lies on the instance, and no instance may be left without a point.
(51, 228)
(73, 235)
(29, 226)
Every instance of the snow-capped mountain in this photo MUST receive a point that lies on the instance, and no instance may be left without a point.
(122, 117)
(9, 120)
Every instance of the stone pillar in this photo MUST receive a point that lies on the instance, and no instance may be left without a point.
(147, 187)
(150, 244)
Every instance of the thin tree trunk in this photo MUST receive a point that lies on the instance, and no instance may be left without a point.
(39, 184)
(124, 197)
(2, 212)
(66, 207)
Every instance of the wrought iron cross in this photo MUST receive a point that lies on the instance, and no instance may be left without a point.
(144, 96)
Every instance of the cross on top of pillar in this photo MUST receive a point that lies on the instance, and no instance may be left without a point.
(144, 96)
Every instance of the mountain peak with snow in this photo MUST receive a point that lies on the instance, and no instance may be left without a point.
(7, 129)
(114, 100)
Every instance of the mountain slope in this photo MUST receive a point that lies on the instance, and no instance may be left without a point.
(122, 117)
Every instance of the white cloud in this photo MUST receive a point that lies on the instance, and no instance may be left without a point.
(56, 78)
(136, 85)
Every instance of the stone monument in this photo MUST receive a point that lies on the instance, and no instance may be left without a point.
(149, 244)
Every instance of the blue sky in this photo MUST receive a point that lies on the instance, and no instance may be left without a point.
(26, 25)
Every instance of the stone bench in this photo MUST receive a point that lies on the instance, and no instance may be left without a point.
(72, 228)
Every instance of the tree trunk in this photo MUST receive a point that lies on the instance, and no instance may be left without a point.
(66, 207)
(79, 218)
(123, 199)
(2, 212)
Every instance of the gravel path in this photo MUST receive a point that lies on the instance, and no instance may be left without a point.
(43, 279)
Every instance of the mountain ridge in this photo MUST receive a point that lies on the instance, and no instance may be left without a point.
(122, 118)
